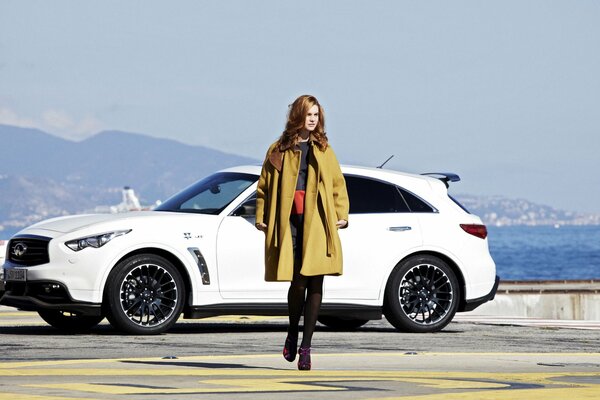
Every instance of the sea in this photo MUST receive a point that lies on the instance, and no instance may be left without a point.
(546, 252)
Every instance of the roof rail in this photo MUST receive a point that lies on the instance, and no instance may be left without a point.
(444, 177)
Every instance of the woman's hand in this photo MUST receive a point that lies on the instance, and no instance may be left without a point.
(342, 223)
(261, 226)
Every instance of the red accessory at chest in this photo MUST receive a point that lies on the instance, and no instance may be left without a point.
(298, 204)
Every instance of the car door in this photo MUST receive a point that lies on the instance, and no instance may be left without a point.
(240, 257)
(381, 230)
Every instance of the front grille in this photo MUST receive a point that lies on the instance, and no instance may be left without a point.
(28, 250)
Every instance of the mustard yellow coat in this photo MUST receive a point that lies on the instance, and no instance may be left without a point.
(325, 202)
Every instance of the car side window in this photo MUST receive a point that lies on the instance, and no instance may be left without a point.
(368, 196)
(414, 203)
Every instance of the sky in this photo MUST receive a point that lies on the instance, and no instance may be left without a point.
(504, 93)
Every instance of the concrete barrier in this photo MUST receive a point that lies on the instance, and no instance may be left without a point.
(567, 300)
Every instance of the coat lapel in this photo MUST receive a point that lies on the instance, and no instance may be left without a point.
(276, 158)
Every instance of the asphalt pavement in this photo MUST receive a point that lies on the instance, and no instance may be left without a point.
(473, 358)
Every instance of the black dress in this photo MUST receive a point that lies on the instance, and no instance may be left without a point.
(297, 215)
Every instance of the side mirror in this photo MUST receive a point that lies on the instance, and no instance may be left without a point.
(247, 209)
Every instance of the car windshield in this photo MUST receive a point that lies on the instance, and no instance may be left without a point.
(210, 195)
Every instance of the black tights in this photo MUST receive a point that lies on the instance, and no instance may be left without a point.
(305, 293)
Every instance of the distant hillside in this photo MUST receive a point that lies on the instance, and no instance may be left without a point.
(502, 211)
(155, 167)
(42, 175)
(25, 200)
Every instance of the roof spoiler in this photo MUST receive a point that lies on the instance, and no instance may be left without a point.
(444, 177)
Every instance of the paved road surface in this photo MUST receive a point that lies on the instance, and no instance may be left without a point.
(473, 358)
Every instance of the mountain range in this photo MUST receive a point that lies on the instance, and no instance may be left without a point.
(42, 176)
(503, 211)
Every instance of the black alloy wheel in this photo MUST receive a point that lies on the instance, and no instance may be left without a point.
(144, 295)
(422, 295)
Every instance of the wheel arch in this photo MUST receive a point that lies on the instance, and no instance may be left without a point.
(448, 260)
(172, 258)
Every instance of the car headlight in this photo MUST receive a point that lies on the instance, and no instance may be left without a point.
(95, 241)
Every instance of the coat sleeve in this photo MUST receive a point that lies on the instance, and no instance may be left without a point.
(340, 194)
(262, 190)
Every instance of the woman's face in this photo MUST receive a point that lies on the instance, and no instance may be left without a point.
(312, 118)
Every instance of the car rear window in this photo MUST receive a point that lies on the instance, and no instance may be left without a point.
(459, 204)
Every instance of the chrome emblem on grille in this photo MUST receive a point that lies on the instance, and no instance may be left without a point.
(20, 249)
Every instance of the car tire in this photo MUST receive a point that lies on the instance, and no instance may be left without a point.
(421, 295)
(342, 323)
(144, 295)
(70, 322)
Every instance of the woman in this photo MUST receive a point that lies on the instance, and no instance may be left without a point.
(301, 201)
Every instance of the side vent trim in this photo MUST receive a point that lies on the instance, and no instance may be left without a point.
(201, 264)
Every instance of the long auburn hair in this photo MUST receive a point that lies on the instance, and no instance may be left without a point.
(296, 119)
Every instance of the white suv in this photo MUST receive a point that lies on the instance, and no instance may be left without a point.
(411, 253)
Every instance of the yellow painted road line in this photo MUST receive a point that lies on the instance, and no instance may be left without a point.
(214, 386)
(571, 393)
(19, 314)
(480, 386)
(237, 318)
(21, 324)
(27, 364)
(20, 396)
(99, 376)
(322, 382)
(267, 372)
(223, 318)
(262, 385)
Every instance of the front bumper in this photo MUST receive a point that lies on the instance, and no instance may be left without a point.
(45, 295)
(470, 305)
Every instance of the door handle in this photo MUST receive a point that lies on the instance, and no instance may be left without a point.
(399, 228)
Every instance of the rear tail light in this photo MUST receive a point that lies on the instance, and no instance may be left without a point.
(475, 229)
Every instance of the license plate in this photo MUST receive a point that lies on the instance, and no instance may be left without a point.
(15, 275)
